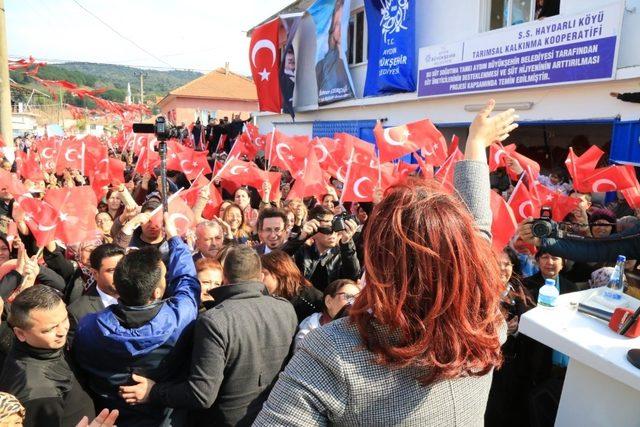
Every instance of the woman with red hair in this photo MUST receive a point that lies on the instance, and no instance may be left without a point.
(423, 336)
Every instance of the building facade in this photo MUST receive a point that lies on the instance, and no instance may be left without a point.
(552, 117)
(218, 94)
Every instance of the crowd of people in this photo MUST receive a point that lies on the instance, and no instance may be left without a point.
(292, 311)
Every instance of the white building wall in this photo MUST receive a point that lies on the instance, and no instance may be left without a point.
(442, 22)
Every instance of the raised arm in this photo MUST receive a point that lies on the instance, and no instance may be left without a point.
(471, 178)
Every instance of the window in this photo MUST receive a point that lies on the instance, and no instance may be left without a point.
(504, 13)
(357, 38)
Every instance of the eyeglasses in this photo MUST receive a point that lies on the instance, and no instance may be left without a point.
(273, 230)
(348, 296)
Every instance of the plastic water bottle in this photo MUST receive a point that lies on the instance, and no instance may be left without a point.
(548, 294)
(613, 290)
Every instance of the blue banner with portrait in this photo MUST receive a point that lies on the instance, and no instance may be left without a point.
(391, 51)
(331, 18)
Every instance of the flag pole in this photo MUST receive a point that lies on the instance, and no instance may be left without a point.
(273, 134)
(346, 178)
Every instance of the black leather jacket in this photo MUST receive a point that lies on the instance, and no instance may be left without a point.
(340, 262)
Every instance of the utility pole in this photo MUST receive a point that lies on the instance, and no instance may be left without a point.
(6, 129)
(142, 75)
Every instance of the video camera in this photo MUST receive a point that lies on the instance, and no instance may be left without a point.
(162, 129)
(338, 223)
(544, 226)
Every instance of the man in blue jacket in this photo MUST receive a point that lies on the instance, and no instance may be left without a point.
(142, 334)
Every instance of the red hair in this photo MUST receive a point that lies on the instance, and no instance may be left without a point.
(290, 279)
(207, 264)
(432, 293)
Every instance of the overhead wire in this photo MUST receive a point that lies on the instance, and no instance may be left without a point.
(122, 35)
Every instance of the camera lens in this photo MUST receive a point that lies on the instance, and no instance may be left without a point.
(541, 228)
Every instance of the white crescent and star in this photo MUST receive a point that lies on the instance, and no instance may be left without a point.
(278, 148)
(186, 170)
(523, 205)
(356, 186)
(596, 185)
(69, 151)
(44, 153)
(45, 228)
(263, 44)
(233, 169)
(387, 137)
(177, 215)
(323, 150)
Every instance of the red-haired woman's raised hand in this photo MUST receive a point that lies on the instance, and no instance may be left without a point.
(486, 130)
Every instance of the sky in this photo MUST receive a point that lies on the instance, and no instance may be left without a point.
(199, 35)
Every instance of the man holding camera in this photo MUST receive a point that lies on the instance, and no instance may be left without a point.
(581, 249)
(333, 253)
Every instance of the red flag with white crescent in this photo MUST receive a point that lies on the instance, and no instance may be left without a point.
(504, 225)
(522, 203)
(264, 58)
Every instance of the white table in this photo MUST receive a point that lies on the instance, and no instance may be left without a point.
(601, 387)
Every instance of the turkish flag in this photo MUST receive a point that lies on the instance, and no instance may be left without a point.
(523, 204)
(180, 212)
(72, 155)
(108, 171)
(580, 167)
(363, 152)
(399, 141)
(48, 150)
(264, 57)
(324, 149)
(41, 218)
(498, 156)
(243, 147)
(287, 152)
(426, 170)
(445, 173)
(188, 161)
(560, 204)
(610, 178)
(147, 161)
(212, 207)
(310, 180)
(10, 183)
(139, 141)
(235, 173)
(632, 196)
(76, 208)
(258, 140)
(261, 176)
(360, 183)
(530, 166)
(504, 225)
(28, 166)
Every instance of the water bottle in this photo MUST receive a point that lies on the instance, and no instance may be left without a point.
(613, 290)
(548, 294)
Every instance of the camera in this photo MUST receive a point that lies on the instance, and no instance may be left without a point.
(162, 129)
(544, 226)
(338, 223)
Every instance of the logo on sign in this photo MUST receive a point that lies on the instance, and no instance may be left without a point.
(394, 13)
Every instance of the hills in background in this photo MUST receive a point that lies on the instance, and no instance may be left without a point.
(115, 77)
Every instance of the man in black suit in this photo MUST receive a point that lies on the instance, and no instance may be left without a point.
(272, 230)
(103, 261)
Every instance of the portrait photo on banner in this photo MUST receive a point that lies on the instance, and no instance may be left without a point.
(331, 18)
